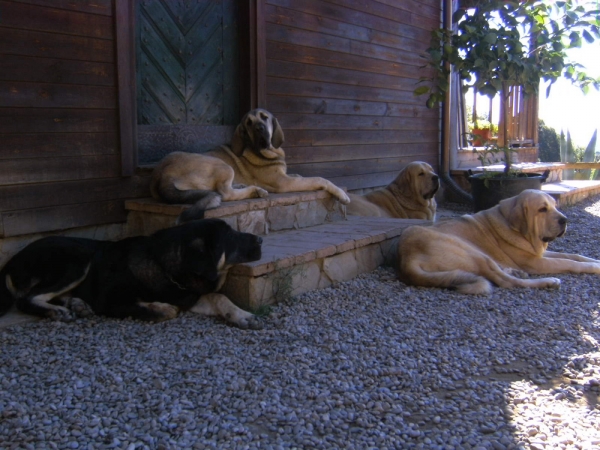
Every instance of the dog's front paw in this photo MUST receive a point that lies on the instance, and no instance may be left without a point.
(343, 198)
(552, 283)
(79, 307)
(260, 192)
(249, 323)
(60, 314)
(163, 311)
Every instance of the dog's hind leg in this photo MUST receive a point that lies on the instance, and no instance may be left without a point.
(38, 300)
(215, 304)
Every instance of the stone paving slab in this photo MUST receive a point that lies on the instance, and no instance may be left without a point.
(569, 192)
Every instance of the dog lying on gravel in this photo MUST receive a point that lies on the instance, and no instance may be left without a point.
(474, 251)
(409, 196)
(147, 277)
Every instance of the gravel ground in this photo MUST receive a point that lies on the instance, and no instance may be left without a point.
(369, 363)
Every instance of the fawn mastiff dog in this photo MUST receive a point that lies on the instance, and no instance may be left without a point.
(474, 251)
(147, 277)
(409, 196)
(252, 166)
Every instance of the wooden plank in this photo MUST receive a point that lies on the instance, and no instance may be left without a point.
(25, 68)
(32, 17)
(413, 152)
(34, 43)
(302, 138)
(286, 69)
(16, 145)
(38, 170)
(57, 120)
(307, 55)
(329, 27)
(278, 104)
(293, 121)
(333, 169)
(103, 7)
(405, 12)
(63, 217)
(44, 195)
(125, 28)
(284, 86)
(42, 95)
(364, 181)
(317, 40)
(347, 15)
(427, 8)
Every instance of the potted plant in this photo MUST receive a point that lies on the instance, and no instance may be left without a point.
(500, 44)
(482, 131)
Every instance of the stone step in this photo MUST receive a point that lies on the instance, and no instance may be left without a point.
(297, 261)
(259, 216)
(569, 192)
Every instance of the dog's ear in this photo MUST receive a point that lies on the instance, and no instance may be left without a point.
(404, 182)
(277, 139)
(239, 140)
(515, 214)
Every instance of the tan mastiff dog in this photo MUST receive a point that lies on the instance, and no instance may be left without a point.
(409, 196)
(253, 165)
(474, 251)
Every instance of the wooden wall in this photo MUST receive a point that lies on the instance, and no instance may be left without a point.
(340, 77)
(60, 163)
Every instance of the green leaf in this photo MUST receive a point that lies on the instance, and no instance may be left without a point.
(431, 102)
(491, 38)
(422, 90)
(587, 36)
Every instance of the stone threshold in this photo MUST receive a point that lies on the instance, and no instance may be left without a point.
(261, 216)
(227, 208)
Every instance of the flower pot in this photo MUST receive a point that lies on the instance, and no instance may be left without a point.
(489, 188)
(481, 136)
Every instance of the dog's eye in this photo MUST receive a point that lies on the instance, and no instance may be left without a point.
(543, 209)
(249, 122)
(422, 174)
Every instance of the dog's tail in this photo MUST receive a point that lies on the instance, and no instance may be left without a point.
(196, 211)
(167, 192)
(6, 297)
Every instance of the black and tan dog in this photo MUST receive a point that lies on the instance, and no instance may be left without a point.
(147, 277)
(252, 166)
(409, 196)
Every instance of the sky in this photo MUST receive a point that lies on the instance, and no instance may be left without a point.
(568, 108)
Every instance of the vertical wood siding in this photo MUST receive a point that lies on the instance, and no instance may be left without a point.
(340, 77)
(60, 162)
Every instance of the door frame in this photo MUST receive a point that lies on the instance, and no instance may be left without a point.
(252, 45)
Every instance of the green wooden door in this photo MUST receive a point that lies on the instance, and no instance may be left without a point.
(187, 75)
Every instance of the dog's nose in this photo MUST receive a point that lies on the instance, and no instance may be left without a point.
(562, 221)
(259, 240)
(435, 178)
(260, 126)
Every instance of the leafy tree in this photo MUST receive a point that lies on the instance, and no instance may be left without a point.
(504, 43)
(549, 143)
